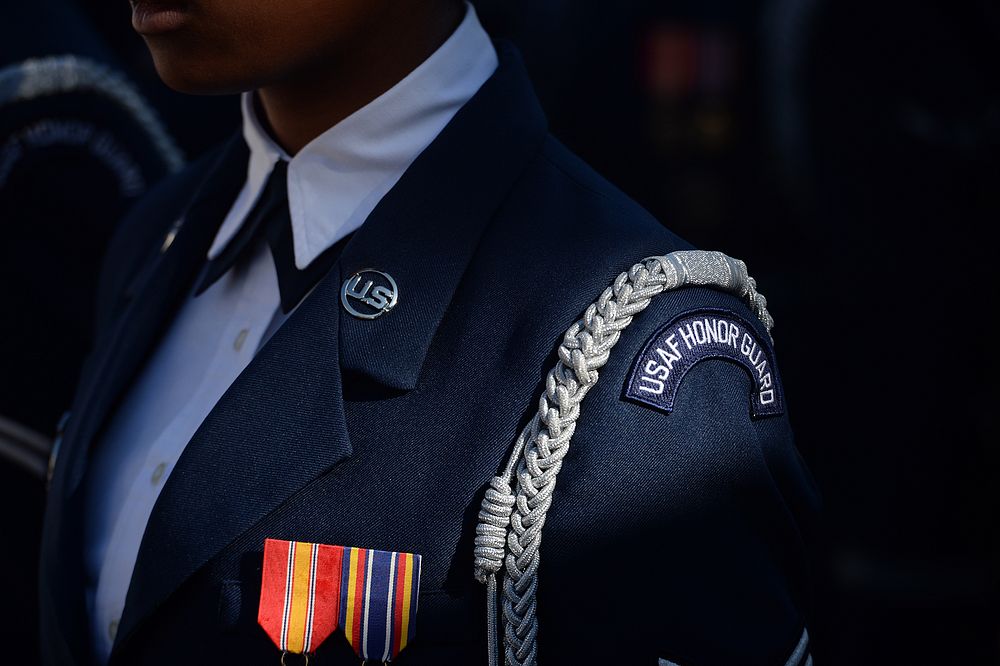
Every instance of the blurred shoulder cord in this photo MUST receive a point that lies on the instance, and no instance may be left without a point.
(24, 447)
(38, 77)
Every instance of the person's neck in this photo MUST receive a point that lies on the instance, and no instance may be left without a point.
(301, 107)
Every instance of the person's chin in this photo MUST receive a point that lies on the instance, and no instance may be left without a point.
(196, 76)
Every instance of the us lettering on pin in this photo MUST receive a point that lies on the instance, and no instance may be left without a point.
(697, 336)
(369, 293)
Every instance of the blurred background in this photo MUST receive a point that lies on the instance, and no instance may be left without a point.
(848, 151)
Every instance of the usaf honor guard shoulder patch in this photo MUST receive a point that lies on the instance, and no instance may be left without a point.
(309, 590)
(696, 336)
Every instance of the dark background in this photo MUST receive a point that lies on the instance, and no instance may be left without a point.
(848, 151)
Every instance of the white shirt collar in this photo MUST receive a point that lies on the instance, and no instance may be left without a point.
(339, 177)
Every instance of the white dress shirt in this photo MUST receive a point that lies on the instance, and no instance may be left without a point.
(334, 182)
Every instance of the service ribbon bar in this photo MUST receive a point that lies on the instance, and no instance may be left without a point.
(378, 601)
(300, 593)
(309, 590)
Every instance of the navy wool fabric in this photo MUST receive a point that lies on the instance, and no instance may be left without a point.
(675, 536)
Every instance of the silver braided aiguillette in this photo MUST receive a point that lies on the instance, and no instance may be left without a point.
(509, 532)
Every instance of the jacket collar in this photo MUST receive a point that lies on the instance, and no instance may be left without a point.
(285, 413)
(425, 231)
(337, 179)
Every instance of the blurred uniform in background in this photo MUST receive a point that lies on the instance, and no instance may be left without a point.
(78, 146)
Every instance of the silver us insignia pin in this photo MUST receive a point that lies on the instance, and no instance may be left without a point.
(369, 293)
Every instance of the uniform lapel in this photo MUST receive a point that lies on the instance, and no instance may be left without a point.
(282, 423)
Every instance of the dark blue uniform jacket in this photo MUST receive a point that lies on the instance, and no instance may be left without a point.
(672, 536)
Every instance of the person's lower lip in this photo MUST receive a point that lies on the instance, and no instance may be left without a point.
(151, 17)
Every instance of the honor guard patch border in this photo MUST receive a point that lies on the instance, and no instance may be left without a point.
(700, 335)
(309, 590)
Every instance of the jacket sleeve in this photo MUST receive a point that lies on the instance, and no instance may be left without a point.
(687, 526)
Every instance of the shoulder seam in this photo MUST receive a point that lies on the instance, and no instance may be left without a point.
(582, 185)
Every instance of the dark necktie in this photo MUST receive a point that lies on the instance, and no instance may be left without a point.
(270, 222)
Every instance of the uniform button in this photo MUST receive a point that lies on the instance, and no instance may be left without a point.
(158, 473)
(241, 337)
(112, 629)
(168, 240)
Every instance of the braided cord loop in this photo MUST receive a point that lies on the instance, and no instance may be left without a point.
(38, 77)
(509, 533)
